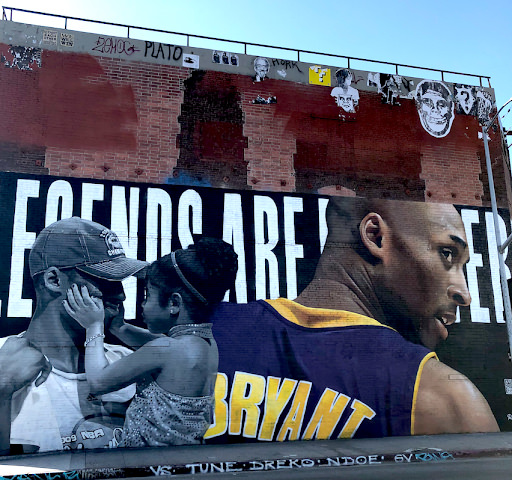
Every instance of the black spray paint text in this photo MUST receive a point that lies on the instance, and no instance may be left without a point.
(164, 51)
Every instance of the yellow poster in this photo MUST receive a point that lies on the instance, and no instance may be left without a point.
(319, 75)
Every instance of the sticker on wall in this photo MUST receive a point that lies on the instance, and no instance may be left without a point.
(435, 106)
(319, 75)
(190, 61)
(50, 37)
(259, 100)
(282, 73)
(465, 99)
(484, 106)
(225, 58)
(346, 96)
(261, 67)
(67, 39)
(22, 58)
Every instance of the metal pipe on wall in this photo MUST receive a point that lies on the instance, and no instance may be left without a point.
(501, 247)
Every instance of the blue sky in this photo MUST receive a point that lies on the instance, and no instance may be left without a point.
(471, 37)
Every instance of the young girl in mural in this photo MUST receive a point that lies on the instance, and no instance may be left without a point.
(176, 369)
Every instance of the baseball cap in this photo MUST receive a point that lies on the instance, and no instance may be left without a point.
(85, 245)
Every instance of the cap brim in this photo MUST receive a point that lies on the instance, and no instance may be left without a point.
(116, 269)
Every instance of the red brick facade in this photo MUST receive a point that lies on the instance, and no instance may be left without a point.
(109, 118)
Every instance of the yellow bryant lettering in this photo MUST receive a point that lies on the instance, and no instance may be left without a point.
(254, 406)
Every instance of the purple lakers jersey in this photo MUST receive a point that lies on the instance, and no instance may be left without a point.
(288, 372)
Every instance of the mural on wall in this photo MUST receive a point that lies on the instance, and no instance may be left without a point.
(435, 106)
(345, 96)
(293, 266)
(466, 99)
(261, 67)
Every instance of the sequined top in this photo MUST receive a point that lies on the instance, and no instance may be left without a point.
(157, 417)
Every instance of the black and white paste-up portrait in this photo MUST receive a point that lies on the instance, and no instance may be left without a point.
(346, 96)
(465, 99)
(435, 107)
(484, 106)
(261, 67)
(391, 89)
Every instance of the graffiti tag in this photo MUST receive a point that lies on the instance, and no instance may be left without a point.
(115, 45)
(286, 64)
(163, 51)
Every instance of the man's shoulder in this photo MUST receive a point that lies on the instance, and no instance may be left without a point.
(458, 404)
(4, 339)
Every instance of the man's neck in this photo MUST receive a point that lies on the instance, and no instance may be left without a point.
(49, 333)
(340, 288)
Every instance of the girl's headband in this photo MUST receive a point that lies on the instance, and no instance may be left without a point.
(187, 284)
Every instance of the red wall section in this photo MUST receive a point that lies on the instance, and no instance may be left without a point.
(84, 116)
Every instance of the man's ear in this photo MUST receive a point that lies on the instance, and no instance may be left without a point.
(373, 230)
(175, 303)
(54, 280)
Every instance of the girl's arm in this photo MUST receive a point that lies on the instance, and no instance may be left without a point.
(102, 377)
(130, 335)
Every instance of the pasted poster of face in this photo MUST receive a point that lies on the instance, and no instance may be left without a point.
(261, 67)
(345, 96)
(435, 107)
(465, 99)
(484, 106)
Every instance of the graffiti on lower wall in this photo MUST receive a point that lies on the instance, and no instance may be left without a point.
(260, 465)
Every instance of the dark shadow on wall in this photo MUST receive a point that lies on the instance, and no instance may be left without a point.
(211, 140)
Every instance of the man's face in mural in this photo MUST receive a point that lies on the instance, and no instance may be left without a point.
(111, 292)
(423, 279)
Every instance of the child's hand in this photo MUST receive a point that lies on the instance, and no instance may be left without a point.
(86, 310)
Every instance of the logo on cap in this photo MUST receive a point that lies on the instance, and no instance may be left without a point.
(114, 246)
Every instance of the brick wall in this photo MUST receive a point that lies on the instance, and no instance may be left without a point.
(110, 118)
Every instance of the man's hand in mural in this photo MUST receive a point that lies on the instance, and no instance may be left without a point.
(86, 310)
